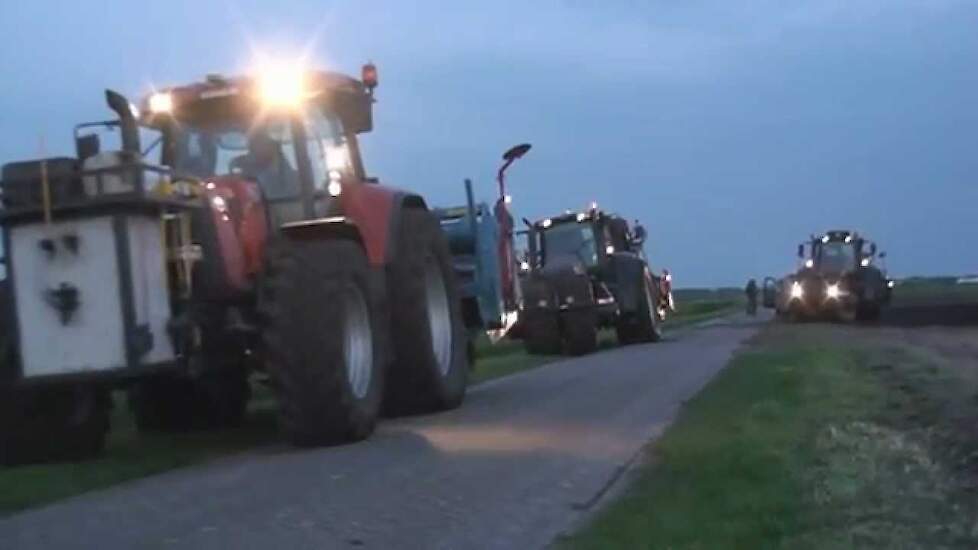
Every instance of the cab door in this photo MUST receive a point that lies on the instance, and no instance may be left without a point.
(770, 292)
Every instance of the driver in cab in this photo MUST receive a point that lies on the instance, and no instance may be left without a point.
(266, 162)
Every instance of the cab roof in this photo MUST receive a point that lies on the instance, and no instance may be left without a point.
(571, 216)
(219, 96)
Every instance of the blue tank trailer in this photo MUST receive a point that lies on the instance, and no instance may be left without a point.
(481, 240)
(474, 231)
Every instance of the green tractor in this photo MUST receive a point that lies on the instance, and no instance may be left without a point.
(838, 279)
(585, 271)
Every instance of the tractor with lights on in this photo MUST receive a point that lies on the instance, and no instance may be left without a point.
(838, 279)
(584, 271)
(246, 236)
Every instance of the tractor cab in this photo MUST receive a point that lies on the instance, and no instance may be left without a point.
(836, 253)
(264, 152)
(585, 240)
(292, 133)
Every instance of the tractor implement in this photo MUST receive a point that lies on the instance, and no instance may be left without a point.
(481, 240)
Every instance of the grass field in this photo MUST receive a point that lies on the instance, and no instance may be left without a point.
(798, 444)
(934, 292)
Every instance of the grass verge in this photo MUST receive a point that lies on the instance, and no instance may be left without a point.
(502, 359)
(702, 310)
(792, 446)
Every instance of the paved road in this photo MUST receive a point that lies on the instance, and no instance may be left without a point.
(518, 464)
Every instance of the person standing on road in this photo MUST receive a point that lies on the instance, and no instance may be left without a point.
(751, 292)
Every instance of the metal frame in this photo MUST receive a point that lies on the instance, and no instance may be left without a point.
(118, 206)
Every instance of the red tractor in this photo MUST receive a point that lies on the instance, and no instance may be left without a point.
(258, 242)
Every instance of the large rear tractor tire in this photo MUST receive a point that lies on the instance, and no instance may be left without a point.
(430, 368)
(580, 331)
(542, 335)
(324, 340)
(644, 325)
(53, 424)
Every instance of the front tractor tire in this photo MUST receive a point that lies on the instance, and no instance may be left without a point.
(430, 367)
(580, 331)
(324, 340)
(542, 335)
(644, 325)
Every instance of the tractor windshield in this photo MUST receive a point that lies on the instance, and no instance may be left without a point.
(569, 243)
(836, 257)
(264, 153)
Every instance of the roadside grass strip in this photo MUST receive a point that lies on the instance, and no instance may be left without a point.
(793, 446)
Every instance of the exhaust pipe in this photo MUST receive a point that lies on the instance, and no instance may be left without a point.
(128, 126)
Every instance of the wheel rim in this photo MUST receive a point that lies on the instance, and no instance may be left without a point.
(439, 316)
(358, 352)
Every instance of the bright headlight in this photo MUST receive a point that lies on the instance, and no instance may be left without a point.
(890, 284)
(219, 203)
(809, 263)
(609, 249)
(160, 102)
(796, 290)
(282, 85)
(833, 291)
(864, 262)
(525, 266)
(547, 222)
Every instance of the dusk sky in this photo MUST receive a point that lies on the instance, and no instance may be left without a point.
(731, 129)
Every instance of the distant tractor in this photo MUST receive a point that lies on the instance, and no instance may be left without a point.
(481, 240)
(838, 279)
(584, 271)
(256, 241)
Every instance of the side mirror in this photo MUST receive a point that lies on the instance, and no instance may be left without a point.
(883, 255)
(769, 292)
(872, 249)
(516, 152)
(356, 111)
(87, 146)
(801, 251)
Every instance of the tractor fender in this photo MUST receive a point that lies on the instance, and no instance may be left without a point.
(376, 211)
(371, 216)
(337, 227)
(628, 274)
